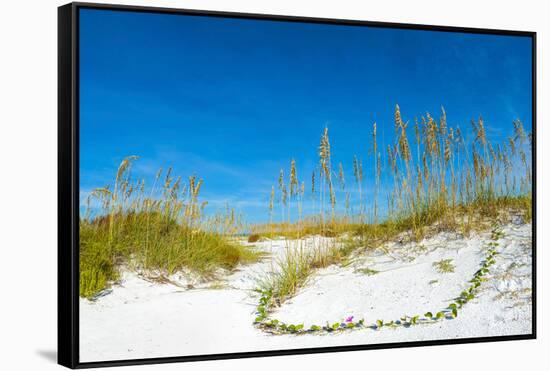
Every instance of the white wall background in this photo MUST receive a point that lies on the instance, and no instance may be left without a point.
(28, 155)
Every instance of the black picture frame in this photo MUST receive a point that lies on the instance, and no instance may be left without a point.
(68, 184)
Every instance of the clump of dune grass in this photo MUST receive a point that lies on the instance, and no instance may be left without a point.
(293, 270)
(162, 228)
(433, 176)
(292, 273)
(444, 266)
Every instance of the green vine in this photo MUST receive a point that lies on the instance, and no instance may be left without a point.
(264, 322)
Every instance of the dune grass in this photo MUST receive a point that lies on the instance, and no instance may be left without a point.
(163, 229)
(432, 178)
(296, 267)
(428, 178)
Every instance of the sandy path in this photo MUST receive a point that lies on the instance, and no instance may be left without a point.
(140, 319)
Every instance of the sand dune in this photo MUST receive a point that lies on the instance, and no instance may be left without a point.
(140, 318)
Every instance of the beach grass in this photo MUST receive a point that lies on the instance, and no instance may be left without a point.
(163, 229)
(428, 178)
(432, 178)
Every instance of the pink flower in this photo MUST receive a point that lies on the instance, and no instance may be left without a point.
(349, 319)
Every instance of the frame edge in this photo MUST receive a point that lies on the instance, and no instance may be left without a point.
(300, 18)
(67, 260)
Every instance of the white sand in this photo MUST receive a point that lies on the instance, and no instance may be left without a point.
(141, 319)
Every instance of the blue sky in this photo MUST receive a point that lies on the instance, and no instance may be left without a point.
(234, 100)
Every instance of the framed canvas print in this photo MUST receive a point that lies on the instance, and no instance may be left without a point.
(238, 185)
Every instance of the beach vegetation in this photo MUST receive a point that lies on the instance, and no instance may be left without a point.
(162, 229)
(434, 177)
(444, 266)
